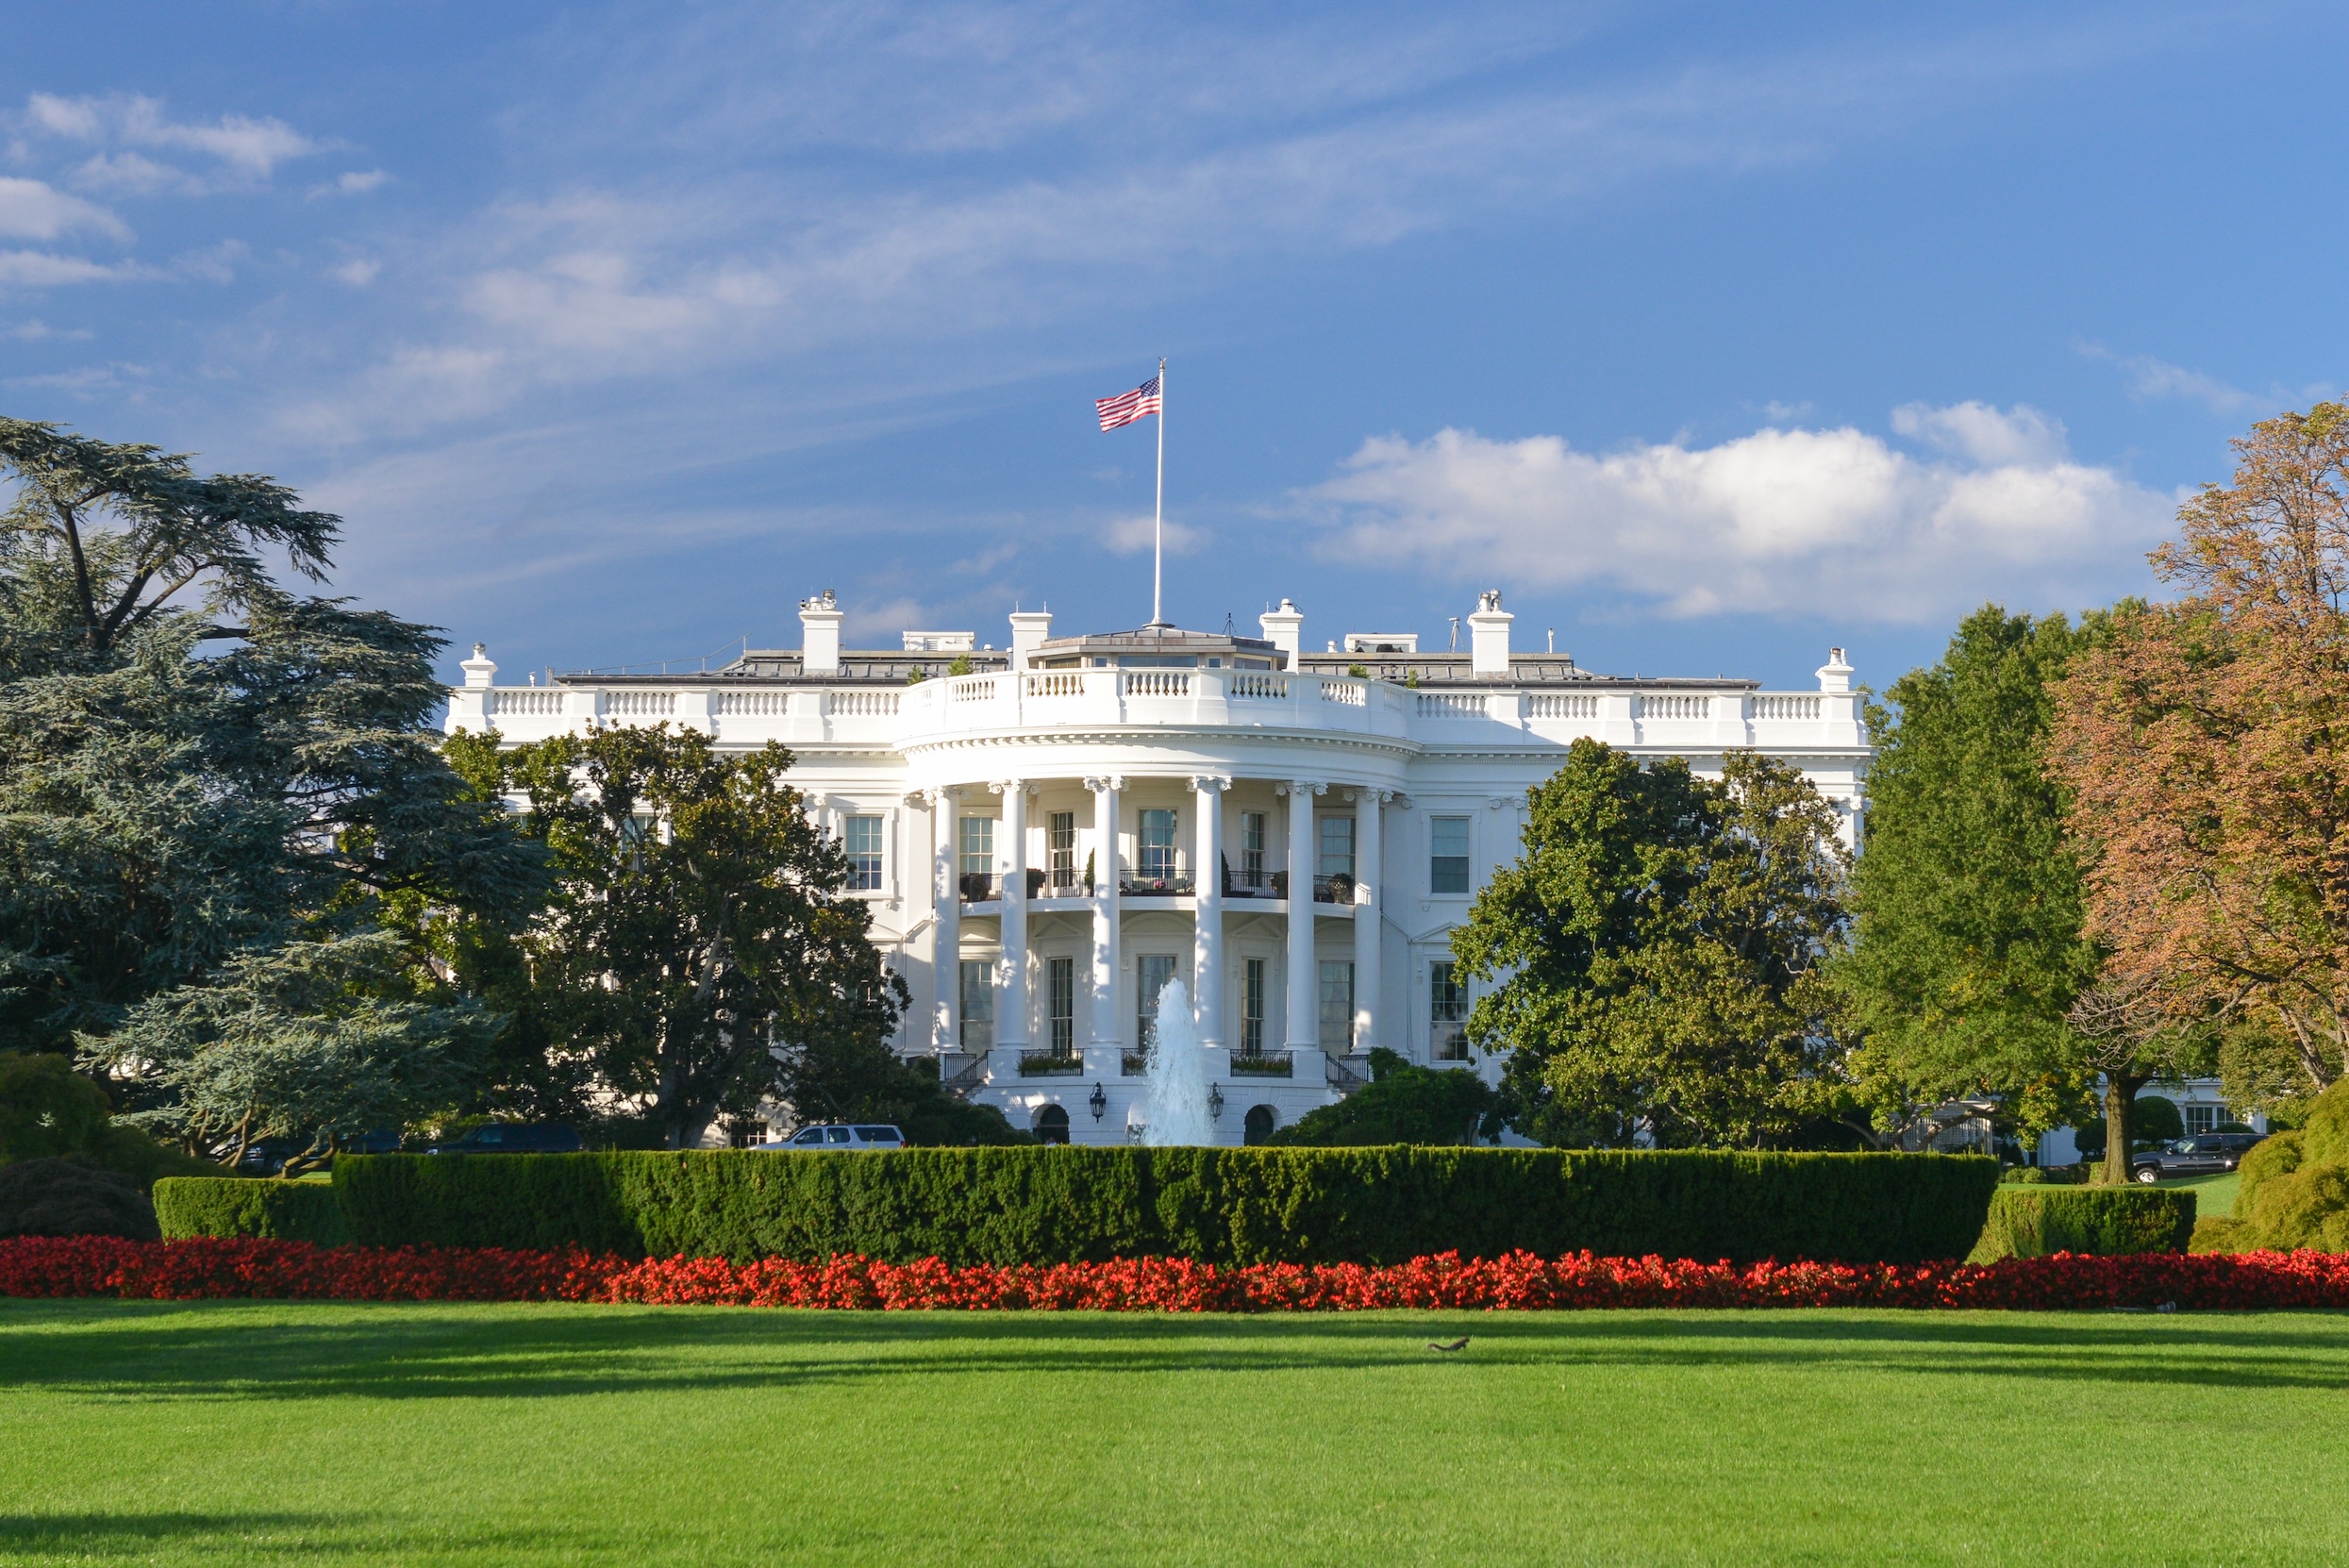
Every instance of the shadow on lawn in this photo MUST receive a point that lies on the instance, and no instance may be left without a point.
(258, 1350)
(340, 1537)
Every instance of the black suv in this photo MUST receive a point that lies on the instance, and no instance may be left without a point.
(2204, 1154)
(514, 1138)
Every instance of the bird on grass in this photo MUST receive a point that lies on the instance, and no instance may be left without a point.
(1460, 1344)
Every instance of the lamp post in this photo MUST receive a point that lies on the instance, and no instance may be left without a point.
(1099, 1102)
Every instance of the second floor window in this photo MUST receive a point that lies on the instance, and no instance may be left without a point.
(1158, 846)
(1337, 848)
(1060, 848)
(863, 842)
(1447, 854)
(977, 859)
(1252, 849)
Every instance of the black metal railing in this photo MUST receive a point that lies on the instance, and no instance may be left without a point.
(1155, 887)
(1333, 890)
(1260, 1064)
(1254, 883)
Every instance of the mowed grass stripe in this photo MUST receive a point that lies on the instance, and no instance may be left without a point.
(246, 1432)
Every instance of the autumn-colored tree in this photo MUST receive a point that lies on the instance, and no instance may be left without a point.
(2206, 747)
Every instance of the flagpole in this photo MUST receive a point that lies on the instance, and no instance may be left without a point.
(1157, 519)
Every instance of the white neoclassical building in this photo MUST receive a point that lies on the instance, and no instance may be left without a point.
(1049, 838)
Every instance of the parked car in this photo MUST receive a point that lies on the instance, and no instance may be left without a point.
(268, 1156)
(838, 1139)
(2204, 1154)
(514, 1138)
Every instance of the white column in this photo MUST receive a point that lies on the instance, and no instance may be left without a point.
(1305, 972)
(945, 922)
(1369, 868)
(1207, 954)
(1106, 1030)
(1012, 969)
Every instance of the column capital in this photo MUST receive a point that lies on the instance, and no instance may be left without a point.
(938, 792)
(1102, 784)
(1300, 787)
(1379, 798)
(1008, 786)
(1209, 784)
(916, 799)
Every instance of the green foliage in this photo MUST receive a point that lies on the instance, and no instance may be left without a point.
(2294, 1187)
(2217, 1233)
(46, 1109)
(2033, 1222)
(2276, 1154)
(698, 924)
(961, 665)
(1967, 907)
(1048, 1205)
(69, 1197)
(239, 1206)
(1402, 1104)
(2155, 1119)
(910, 1098)
(1654, 952)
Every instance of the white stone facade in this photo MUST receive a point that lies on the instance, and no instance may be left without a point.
(1047, 839)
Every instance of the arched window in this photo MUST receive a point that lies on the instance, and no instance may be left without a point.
(1262, 1119)
(1051, 1124)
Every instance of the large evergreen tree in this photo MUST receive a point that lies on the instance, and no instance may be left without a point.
(1655, 953)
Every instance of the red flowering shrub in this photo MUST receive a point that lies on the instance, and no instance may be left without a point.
(216, 1269)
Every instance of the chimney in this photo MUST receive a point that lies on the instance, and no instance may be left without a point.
(480, 670)
(1835, 675)
(820, 621)
(1285, 629)
(1029, 627)
(1488, 636)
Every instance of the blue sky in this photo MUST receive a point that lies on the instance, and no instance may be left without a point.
(1710, 335)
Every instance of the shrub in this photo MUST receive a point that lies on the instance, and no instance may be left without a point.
(67, 1197)
(2217, 1233)
(262, 1207)
(2305, 1207)
(2154, 1119)
(2103, 1221)
(1404, 1104)
(2276, 1154)
(1046, 1204)
(46, 1109)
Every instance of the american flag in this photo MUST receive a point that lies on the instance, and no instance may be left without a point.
(1125, 408)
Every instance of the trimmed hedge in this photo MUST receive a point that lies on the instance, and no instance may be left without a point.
(1048, 1205)
(2106, 1221)
(245, 1206)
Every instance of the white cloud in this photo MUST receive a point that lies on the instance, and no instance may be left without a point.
(353, 182)
(250, 148)
(34, 269)
(32, 210)
(358, 271)
(1130, 535)
(1834, 522)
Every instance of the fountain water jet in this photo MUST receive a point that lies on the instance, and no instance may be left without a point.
(1178, 1111)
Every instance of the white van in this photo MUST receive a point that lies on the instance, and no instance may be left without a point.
(836, 1138)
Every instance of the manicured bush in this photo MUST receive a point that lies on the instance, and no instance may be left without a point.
(2155, 1118)
(1045, 1204)
(2105, 1222)
(69, 1197)
(2217, 1233)
(2276, 1154)
(245, 1206)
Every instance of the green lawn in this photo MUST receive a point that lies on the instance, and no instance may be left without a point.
(2213, 1195)
(263, 1433)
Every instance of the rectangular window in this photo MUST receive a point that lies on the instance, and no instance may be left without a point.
(1060, 849)
(1151, 973)
(1338, 1003)
(2200, 1118)
(863, 838)
(978, 862)
(1447, 1012)
(1447, 854)
(1158, 847)
(1337, 846)
(1060, 1005)
(1252, 850)
(1252, 1008)
(978, 1006)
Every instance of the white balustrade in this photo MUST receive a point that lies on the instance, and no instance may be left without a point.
(1347, 694)
(973, 688)
(632, 703)
(1665, 705)
(1452, 705)
(1562, 705)
(1247, 685)
(1778, 709)
(528, 700)
(861, 704)
(1155, 683)
(1056, 683)
(753, 705)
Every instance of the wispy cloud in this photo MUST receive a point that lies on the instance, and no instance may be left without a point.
(34, 269)
(30, 209)
(1835, 522)
(1131, 536)
(241, 148)
(2152, 378)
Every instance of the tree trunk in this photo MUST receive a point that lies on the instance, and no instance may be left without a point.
(2120, 1100)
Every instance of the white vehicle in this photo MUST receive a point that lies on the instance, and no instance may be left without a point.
(842, 1139)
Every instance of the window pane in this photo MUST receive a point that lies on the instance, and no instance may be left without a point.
(978, 1005)
(1337, 846)
(1252, 1008)
(1336, 1003)
(864, 852)
(1447, 1014)
(1157, 843)
(1151, 973)
(1062, 1004)
(1448, 854)
(1060, 848)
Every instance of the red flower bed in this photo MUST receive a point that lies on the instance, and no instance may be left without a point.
(211, 1270)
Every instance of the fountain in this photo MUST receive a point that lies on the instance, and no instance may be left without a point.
(1178, 1111)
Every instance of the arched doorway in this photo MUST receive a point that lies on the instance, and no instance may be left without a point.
(1262, 1119)
(1051, 1124)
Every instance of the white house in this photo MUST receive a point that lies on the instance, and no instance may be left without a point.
(1050, 838)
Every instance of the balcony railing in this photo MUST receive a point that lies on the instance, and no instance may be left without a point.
(1258, 883)
(1155, 887)
(1333, 890)
(1050, 1064)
